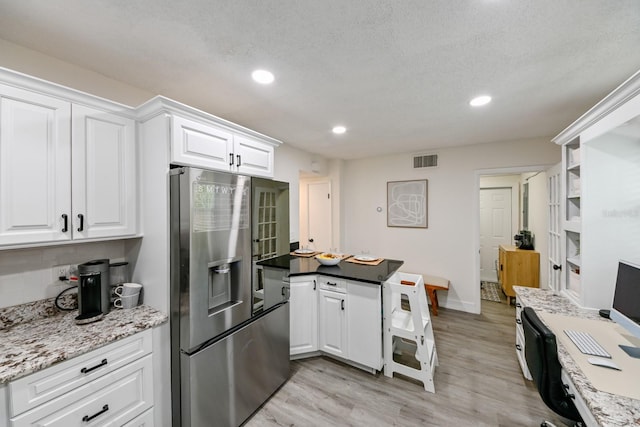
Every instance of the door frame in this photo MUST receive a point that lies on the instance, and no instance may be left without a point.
(475, 227)
(304, 211)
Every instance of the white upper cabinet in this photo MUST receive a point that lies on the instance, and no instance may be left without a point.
(35, 167)
(202, 140)
(199, 144)
(104, 174)
(67, 171)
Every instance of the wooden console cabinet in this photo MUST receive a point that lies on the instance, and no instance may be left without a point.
(518, 267)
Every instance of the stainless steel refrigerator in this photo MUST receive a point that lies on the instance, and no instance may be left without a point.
(228, 354)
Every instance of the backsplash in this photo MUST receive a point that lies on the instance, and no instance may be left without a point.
(26, 274)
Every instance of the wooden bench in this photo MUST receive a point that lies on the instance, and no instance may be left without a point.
(431, 285)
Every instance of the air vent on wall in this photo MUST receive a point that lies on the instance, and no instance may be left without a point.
(425, 161)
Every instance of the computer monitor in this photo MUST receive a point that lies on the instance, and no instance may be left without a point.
(626, 302)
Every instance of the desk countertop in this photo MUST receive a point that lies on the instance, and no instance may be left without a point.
(608, 409)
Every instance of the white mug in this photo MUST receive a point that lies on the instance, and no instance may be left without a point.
(128, 301)
(127, 289)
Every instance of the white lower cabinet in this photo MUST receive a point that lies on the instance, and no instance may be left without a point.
(333, 323)
(109, 386)
(364, 324)
(520, 341)
(303, 301)
(337, 317)
(143, 420)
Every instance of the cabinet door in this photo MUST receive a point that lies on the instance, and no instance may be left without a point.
(253, 157)
(304, 316)
(35, 162)
(364, 321)
(202, 145)
(104, 174)
(333, 323)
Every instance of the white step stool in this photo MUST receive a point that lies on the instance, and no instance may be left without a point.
(404, 327)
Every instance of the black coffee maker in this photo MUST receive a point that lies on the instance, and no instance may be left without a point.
(94, 287)
(524, 240)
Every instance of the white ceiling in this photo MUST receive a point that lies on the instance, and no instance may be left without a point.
(398, 74)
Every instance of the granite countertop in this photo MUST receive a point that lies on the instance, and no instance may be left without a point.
(608, 409)
(300, 266)
(34, 336)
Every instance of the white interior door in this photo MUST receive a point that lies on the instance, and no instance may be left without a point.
(319, 209)
(495, 228)
(555, 257)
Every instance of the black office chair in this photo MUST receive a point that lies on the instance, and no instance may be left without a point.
(541, 354)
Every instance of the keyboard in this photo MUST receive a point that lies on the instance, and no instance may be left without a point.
(586, 344)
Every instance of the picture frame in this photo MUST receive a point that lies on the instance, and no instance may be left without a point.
(407, 203)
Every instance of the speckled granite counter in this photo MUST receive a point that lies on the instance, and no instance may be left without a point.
(608, 409)
(35, 336)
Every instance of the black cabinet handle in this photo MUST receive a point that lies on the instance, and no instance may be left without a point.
(282, 290)
(332, 284)
(311, 240)
(238, 160)
(519, 322)
(65, 227)
(230, 159)
(566, 392)
(81, 218)
(518, 347)
(557, 267)
(87, 370)
(518, 305)
(88, 418)
(314, 285)
(342, 304)
(500, 267)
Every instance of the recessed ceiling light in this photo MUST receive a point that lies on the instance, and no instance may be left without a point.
(339, 130)
(263, 77)
(480, 101)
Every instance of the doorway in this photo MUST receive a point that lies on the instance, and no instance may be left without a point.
(537, 218)
(316, 224)
(495, 229)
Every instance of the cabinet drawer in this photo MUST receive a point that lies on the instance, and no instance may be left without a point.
(143, 420)
(40, 387)
(332, 284)
(582, 407)
(109, 400)
(520, 353)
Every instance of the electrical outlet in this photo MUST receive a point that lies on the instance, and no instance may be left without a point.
(59, 271)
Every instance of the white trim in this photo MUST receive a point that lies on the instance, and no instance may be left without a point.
(34, 84)
(620, 95)
(160, 104)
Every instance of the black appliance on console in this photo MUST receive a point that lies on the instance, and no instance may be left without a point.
(524, 240)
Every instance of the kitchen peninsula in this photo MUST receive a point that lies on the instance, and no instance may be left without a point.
(334, 310)
(297, 266)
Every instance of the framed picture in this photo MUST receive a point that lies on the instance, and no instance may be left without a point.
(407, 204)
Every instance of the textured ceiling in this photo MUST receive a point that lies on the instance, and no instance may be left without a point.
(397, 74)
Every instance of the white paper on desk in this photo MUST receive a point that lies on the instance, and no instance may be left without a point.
(608, 335)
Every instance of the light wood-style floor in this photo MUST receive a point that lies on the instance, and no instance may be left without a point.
(478, 383)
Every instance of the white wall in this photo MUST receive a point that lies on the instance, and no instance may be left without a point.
(449, 247)
(26, 274)
(36, 64)
(539, 220)
(289, 163)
